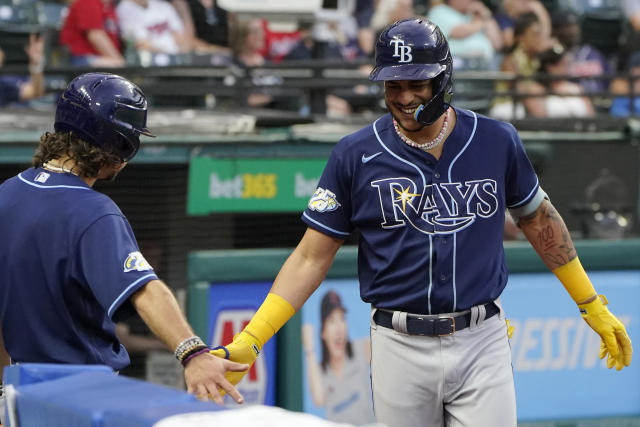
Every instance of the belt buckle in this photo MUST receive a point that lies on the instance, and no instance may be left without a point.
(452, 329)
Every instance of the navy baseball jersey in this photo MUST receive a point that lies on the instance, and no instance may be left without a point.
(68, 260)
(430, 230)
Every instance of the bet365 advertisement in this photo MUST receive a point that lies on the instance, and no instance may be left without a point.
(554, 352)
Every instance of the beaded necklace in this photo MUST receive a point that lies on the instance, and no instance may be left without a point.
(429, 144)
(56, 168)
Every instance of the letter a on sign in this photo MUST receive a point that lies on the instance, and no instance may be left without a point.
(228, 323)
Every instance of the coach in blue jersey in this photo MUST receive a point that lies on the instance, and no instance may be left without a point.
(427, 186)
(69, 262)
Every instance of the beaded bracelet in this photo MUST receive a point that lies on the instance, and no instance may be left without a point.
(193, 354)
(188, 345)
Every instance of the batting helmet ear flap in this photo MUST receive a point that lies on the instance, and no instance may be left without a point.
(429, 112)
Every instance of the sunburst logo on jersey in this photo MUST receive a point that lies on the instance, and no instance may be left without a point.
(405, 196)
(323, 201)
(135, 261)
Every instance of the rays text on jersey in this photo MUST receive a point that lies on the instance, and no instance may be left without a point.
(441, 208)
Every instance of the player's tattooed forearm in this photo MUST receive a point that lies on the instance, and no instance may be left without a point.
(546, 238)
(553, 240)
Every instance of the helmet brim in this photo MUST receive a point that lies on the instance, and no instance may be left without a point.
(407, 72)
(146, 132)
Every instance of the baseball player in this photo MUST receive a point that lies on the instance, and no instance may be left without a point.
(427, 186)
(69, 262)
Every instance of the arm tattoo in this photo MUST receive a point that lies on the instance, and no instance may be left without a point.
(552, 240)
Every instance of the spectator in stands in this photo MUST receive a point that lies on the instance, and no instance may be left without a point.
(522, 61)
(510, 10)
(363, 14)
(153, 26)
(324, 41)
(20, 88)
(309, 47)
(559, 97)
(279, 38)
(207, 24)
(474, 36)
(247, 42)
(90, 32)
(584, 61)
(389, 11)
(627, 101)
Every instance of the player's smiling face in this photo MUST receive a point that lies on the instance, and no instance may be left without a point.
(403, 97)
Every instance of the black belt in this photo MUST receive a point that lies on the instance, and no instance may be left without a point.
(431, 325)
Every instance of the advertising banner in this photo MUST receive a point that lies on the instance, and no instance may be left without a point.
(231, 307)
(554, 352)
(336, 354)
(251, 185)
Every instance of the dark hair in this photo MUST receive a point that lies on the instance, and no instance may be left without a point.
(330, 302)
(87, 158)
(523, 22)
(551, 56)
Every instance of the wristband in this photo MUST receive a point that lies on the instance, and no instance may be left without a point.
(575, 280)
(274, 312)
(193, 354)
(187, 346)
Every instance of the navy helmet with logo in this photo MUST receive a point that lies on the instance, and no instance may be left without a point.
(416, 49)
(106, 111)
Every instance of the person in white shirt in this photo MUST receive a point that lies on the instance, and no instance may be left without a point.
(153, 25)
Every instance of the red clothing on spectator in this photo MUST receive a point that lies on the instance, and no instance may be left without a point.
(85, 15)
(278, 43)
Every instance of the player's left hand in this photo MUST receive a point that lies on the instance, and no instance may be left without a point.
(205, 375)
(615, 341)
(244, 348)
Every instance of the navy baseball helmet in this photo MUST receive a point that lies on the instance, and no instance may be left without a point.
(416, 49)
(106, 111)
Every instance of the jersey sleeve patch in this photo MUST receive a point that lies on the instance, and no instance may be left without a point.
(135, 261)
(323, 201)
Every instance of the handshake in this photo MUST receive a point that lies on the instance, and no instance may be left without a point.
(244, 348)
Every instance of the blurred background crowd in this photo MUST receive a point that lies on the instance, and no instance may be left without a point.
(549, 58)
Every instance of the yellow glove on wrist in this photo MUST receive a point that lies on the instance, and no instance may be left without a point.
(615, 341)
(244, 348)
(274, 312)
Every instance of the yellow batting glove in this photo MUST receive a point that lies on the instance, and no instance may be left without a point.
(274, 312)
(510, 328)
(615, 341)
(244, 348)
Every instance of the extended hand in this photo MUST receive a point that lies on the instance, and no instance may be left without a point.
(245, 348)
(205, 375)
(615, 341)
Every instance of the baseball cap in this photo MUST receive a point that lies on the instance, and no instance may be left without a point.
(330, 301)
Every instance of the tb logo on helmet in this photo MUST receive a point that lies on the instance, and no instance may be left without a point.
(400, 50)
